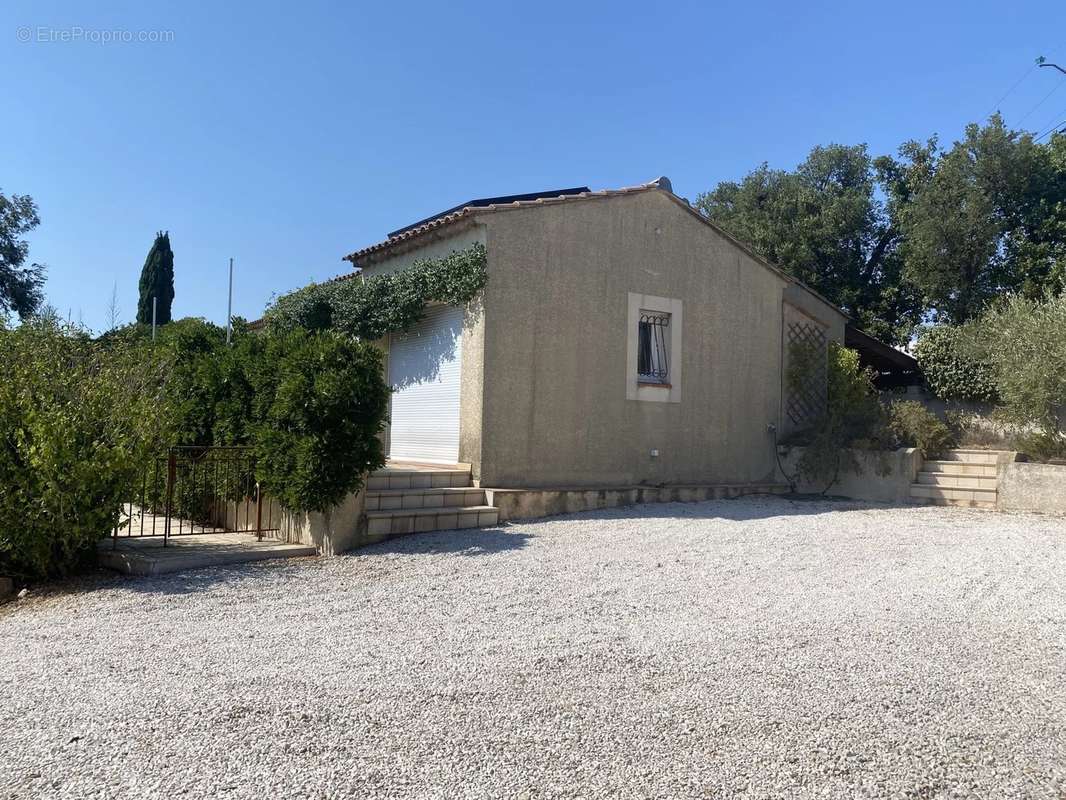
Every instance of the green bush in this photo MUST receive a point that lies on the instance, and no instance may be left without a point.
(951, 369)
(311, 404)
(319, 405)
(370, 308)
(916, 426)
(208, 395)
(78, 421)
(1024, 341)
(1041, 445)
(83, 419)
(854, 420)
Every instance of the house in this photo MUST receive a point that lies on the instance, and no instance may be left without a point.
(622, 340)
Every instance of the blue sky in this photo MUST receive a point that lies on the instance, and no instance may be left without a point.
(286, 135)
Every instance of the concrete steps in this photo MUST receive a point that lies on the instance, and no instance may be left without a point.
(949, 480)
(958, 478)
(960, 468)
(445, 497)
(422, 478)
(421, 520)
(420, 498)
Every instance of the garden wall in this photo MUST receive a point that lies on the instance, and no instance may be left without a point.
(886, 475)
(338, 530)
(938, 406)
(1025, 486)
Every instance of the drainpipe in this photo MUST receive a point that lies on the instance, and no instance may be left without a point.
(772, 430)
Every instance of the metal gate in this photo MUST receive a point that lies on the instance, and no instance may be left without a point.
(197, 490)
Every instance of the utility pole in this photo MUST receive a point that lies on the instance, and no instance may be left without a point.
(229, 308)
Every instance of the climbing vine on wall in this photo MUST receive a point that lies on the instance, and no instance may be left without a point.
(370, 308)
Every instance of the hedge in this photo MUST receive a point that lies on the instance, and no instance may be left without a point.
(82, 418)
(79, 419)
(951, 369)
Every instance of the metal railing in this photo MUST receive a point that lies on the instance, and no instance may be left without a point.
(197, 490)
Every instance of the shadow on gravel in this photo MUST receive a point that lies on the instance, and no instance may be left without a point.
(177, 583)
(199, 580)
(466, 542)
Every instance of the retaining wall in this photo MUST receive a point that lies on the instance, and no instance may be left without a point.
(1025, 486)
(535, 503)
(886, 475)
(338, 530)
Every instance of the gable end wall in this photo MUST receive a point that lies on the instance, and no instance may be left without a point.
(555, 410)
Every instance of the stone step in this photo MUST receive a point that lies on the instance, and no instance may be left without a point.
(940, 495)
(390, 478)
(949, 481)
(448, 496)
(960, 468)
(147, 556)
(972, 456)
(420, 520)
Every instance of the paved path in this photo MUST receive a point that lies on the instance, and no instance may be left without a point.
(748, 648)
(147, 555)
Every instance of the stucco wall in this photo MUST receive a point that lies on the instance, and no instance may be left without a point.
(886, 477)
(335, 531)
(1025, 486)
(555, 410)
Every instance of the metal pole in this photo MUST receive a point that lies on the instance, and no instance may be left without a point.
(169, 507)
(258, 513)
(229, 308)
(153, 318)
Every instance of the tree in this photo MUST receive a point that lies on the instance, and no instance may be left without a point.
(985, 217)
(824, 224)
(1037, 247)
(20, 285)
(114, 312)
(157, 280)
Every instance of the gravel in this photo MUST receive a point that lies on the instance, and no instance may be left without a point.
(748, 648)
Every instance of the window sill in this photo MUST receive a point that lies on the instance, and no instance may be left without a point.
(654, 384)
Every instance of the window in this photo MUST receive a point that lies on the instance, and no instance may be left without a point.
(653, 348)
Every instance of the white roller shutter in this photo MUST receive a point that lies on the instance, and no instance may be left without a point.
(424, 371)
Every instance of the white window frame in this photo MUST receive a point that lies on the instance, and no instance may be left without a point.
(670, 391)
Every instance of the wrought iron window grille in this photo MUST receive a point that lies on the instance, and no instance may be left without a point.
(653, 362)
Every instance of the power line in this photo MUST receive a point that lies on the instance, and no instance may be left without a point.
(1044, 131)
(1058, 127)
(1042, 101)
(1014, 86)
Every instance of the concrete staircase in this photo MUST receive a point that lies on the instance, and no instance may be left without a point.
(413, 498)
(958, 478)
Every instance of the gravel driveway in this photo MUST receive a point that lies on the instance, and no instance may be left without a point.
(747, 648)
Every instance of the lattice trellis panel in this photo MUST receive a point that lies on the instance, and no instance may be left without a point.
(807, 373)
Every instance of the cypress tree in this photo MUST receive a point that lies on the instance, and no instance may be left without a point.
(157, 280)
